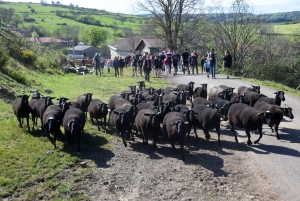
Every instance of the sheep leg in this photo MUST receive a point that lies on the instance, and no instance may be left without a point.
(20, 123)
(218, 131)
(277, 134)
(101, 124)
(195, 131)
(154, 136)
(130, 132)
(105, 129)
(189, 130)
(260, 136)
(98, 125)
(78, 142)
(173, 146)
(91, 120)
(27, 121)
(146, 137)
(207, 135)
(232, 129)
(249, 142)
(124, 142)
(182, 149)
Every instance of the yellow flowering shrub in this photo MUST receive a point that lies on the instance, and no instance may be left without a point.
(28, 56)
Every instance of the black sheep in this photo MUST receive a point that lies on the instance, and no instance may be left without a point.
(84, 101)
(176, 97)
(244, 116)
(200, 91)
(98, 110)
(181, 107)
(200, 101)
(251, 97)
(120, 120)
(217, 91)
(254, 88)
(237, 98)
(73, 123)
(274, 101)
(158, 100)
(41, 106)
(35, 97)
(175, 126)
(147, 122)
(52, 119)
(230, 89)
(22, 110)
(142, 85)
(168, 90)
(287, 112)
(207, 118)
(189, 87)
(220, 102)
(277, 112)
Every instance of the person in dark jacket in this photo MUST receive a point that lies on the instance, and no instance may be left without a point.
(196, 62)
(122, 65)
(202, 63)
(140, 65)
(227, 62)
(212, 63)
(147, 65)
(157, 65)
(116, 65)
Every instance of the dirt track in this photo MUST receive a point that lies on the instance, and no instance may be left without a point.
(228, 172)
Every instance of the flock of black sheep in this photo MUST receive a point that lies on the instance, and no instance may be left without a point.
(149, 108)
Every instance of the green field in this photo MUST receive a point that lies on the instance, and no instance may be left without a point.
(287, 28)
(51, 20)
(27, 171)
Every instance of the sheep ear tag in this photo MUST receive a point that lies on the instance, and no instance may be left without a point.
(172, 124)
(186, 122)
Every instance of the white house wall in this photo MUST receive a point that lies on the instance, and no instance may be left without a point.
(115, 53)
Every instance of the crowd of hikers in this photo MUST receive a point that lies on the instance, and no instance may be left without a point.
(162, 63)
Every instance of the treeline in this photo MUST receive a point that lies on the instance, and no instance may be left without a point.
(283, 17)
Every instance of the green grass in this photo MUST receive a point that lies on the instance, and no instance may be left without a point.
(287, 28)
(47, 13)
(27, 171)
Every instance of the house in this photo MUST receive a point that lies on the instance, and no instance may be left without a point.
(123, 47)
(25, 33)
(87, 50)
(49, 41)
(150, 45)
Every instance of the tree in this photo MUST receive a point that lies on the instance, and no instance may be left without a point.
(115, 27)
(171, 19)
(132, 37)
(17, 19)
(44, 2)
(95, 36)
(235, 29)
(122, 19)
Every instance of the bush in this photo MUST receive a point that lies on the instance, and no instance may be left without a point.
(28, 56)
(3, 57)
(65, 51)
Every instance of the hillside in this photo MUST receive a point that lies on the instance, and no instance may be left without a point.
(51, 17)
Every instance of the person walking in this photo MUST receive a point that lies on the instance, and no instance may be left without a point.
(122, 65)
(212, 63)
(192, 62)
(202, 64)
(185, 60)
(126, 60)
(175, 60)
(96, 64)
(147, 65)
(108, 63)
(134, 67)
(167, 65)
(196, 61)
(157, 66)
(101, 59)
(140, 65)
(116, 65)
(207, 67)
(227, 62)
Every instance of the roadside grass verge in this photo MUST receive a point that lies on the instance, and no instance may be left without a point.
(30, 168)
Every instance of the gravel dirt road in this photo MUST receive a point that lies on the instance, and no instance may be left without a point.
(266, 171)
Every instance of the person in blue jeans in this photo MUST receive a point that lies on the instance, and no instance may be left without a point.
(212, 62)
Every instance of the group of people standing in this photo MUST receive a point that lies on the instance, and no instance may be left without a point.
(162, 62)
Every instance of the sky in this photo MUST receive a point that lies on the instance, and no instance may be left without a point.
(125, 6)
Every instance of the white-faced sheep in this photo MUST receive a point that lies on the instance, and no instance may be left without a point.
(22, 110)
(175, 126)
(244, 116)
(98, 110)
(73, 123)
